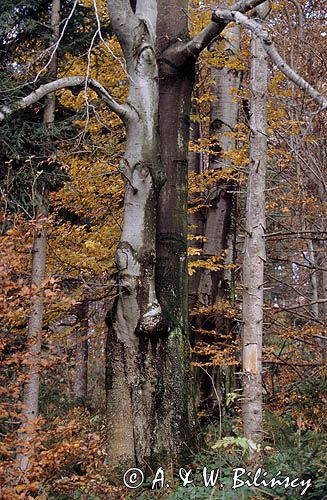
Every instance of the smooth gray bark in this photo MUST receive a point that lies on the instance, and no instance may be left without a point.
(254, 251)
(34, 338)
(62, 83)
(149, 386)
(148, 352)
(136, 317)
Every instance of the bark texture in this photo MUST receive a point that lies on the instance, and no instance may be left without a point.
(136, 316)
(34, 338)
(148, 355)
(254, 252)
(150, 407)
(96, 352)
(175, 91)
(148, 382)
(81, 357)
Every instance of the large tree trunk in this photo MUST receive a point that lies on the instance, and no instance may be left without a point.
(149, 403)
(148, 355)
(176, 84)
(254, 252)
(34, 332)
(136, 325)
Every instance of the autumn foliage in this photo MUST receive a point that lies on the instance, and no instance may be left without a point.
(78, 160)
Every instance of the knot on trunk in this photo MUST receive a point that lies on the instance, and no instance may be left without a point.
(151, 321)
(146, 62)
(144, 168)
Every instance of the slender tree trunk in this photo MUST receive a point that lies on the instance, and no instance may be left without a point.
(196, 221)
(254, 252)
(34, 338)
(314, 279)
(324, 292)
(81, 357)
(324, 297)
(96, 353)
(34, 332)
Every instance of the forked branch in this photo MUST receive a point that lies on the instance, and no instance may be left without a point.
(124, 23)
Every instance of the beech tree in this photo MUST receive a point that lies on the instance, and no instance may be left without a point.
(34, 335)
(209, 286)
(150, 407)
(254, 249)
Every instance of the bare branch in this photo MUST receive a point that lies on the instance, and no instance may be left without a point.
(300, 16)
(99, 31)
(263, 35)
(246, 5)
(122, 110)
(315, 233)
(213, 30)
(55, 46)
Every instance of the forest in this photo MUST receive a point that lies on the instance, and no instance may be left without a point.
(163, 249)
